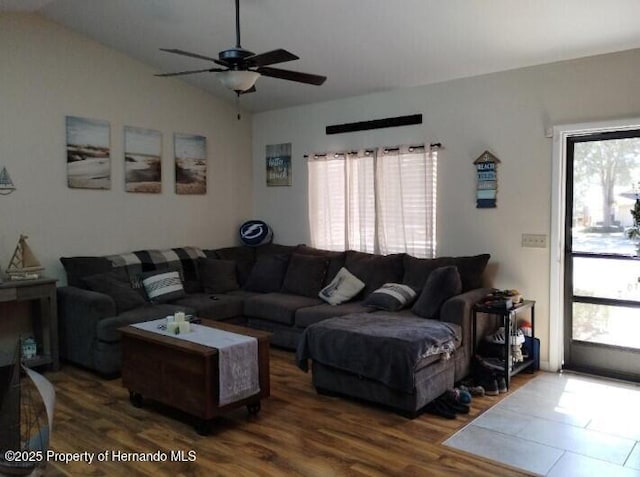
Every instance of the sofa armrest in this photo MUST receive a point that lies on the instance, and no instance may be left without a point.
(457, 309)
(79, 312)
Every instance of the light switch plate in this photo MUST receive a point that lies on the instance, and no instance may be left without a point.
(534, 240)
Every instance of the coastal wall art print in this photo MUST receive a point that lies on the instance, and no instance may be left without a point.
(142, 160)
(279, 164)
(88, 153)
(191, 163)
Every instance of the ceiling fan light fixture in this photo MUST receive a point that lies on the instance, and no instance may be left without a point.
(238, 80)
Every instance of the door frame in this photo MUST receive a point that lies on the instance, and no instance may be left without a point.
(558, 213)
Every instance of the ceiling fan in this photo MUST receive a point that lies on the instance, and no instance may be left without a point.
(241, 68)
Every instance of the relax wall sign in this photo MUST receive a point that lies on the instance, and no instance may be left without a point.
(487, 180)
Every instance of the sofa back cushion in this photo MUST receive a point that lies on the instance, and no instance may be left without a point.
(115, 283)
(305, 275)
(217, 276)
(336, 260)
(245, 258)
(374, 270)
(79, 267)
(267, 274)
(442, 284)
(471, 269)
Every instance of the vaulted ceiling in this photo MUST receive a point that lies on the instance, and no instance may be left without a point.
(362, 46)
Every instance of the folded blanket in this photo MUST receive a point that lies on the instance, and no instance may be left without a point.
(383, 347)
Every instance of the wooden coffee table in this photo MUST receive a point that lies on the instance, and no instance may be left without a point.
(184, 375)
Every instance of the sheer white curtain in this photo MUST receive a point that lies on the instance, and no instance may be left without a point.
(381, 201)
(342, 201)
(406, 198)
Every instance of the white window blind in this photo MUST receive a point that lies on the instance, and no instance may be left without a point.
(374, 201)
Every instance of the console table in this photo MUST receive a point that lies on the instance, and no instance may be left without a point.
(44, 316)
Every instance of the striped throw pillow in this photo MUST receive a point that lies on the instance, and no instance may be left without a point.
(391, 297)
(162, 287)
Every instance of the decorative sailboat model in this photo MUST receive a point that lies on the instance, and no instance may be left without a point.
(6, 184)
(26, 421)
(24, 265)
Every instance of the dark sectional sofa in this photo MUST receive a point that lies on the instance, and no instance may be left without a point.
(270, 287)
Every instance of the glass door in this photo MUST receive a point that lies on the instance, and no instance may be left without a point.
(602, 268)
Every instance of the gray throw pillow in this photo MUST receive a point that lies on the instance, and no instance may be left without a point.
(442, 284)
(217, 276)
(391, 297)
(305, 275)
(267, 274)
(163, 286)
(116, 285)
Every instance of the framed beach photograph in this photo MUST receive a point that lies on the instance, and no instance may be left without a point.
(142, 160)
(279, 164)
(88, 153)
(191, 163)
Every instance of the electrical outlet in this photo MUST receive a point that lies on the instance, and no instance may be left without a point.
(534, 240)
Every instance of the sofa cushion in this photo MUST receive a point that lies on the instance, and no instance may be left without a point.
(336, 260)
(374, 270)
(305, 275)
(274, 249)
(213, 306)
(312, 314)
(277, 307)
(391, 297)
(244, 257)
(342, 288)
(107, 328)
(80, 267)
(217, 276)
(417, 270)
(162, 287)
(267, 274)
(115, 284)
(442, 284)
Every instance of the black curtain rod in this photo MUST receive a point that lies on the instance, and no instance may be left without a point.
(433, 145)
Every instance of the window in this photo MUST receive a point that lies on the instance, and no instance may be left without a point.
(380, 201)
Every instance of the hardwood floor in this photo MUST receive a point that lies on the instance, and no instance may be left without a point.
(297, 432)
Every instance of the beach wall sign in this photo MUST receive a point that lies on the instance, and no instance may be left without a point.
(487, 180)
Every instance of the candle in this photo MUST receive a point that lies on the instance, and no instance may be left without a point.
(172, 326)
(184, 327)
(179, 316)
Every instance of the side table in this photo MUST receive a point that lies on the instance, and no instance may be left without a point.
(508, 316)
(44, 316)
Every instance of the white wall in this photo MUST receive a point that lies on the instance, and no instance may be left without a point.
(48, 72)
(506, 113)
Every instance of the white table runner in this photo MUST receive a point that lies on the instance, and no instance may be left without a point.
(237, 357)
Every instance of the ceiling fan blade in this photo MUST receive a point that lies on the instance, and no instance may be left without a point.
(292, 75)
(271, 58)
(193, 55)
(250, 90)
(179, 73)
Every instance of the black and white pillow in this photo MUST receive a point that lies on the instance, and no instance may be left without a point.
(391, 297)
(162, 287)
(342, 288)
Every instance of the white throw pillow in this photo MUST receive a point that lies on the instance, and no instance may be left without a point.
(342, 288)
(162, 287)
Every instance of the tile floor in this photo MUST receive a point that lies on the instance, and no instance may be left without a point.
(564, 425)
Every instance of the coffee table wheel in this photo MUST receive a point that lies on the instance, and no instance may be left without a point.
(136, 399)
(203, 427)
(253, 408)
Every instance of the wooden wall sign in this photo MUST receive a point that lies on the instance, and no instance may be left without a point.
(487, 180)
